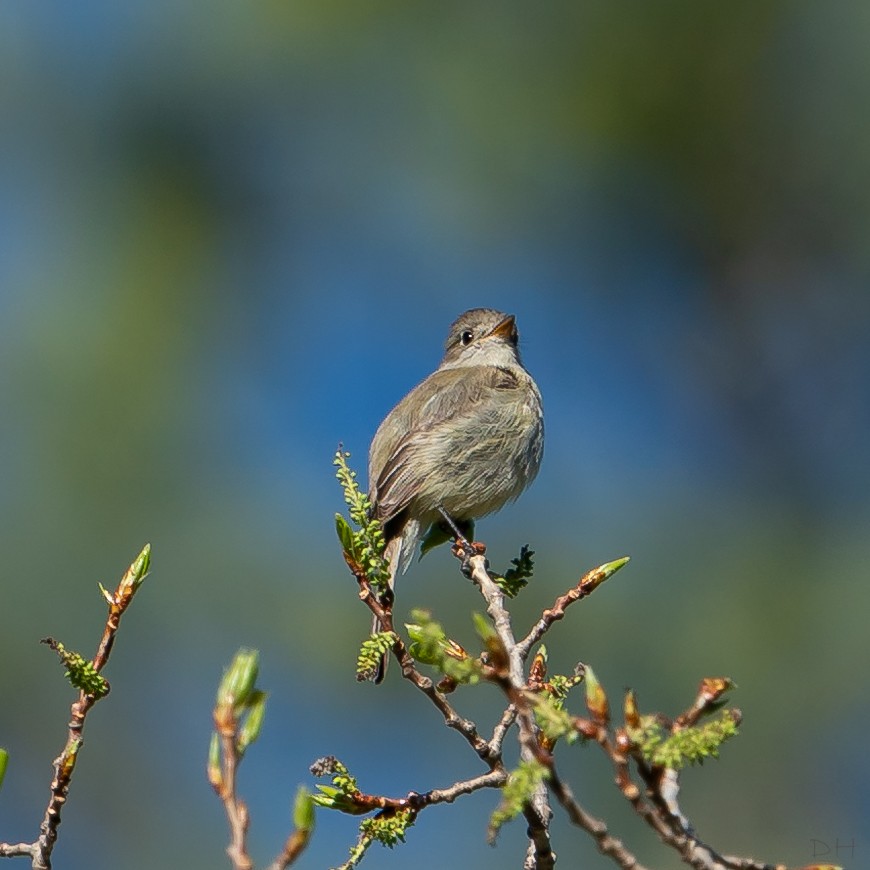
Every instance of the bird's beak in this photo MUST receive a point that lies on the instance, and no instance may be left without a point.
(504, 328)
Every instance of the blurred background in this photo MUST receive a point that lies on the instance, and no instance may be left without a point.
(233, 235)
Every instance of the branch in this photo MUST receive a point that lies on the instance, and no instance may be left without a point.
(236, 809)
(345, 796)
(82, 673)
(494, 779)
(646, 753)
(488, 752)
(537, 812)
(238, 719)
(657, 804)
(586, 585)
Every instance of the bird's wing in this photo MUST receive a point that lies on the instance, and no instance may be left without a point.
(401, 453)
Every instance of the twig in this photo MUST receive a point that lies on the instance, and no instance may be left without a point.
(596, 828)
(416, 801)
(19, 850)
(238, 699)
(296, 842)
(504, 664)
(487, 752)
(540, 855)
(586, 585)
(494, 779)
(490, 754)
(238, 716)
(236, 809)
(658, 804)
(501, 729)
(64, 765)
(498, 613)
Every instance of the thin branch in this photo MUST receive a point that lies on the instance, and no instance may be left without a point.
(504, 664)
(658, 803)
(19, 850)
(488, 753)
(596, 828)
(540, 855)
(236, 809)
(586, 585)
(296, 842)
(416, 801)
(494, 779)
(64, 765)
(501, 729)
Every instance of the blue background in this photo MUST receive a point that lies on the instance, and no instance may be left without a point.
(233, 235)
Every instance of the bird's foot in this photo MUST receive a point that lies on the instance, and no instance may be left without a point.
(463, 550)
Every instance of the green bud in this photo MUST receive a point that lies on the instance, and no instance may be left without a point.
(133, 576)
(610, 568)
(213, 768)
(630, 711)
(239, 678)
(4, 760)
(141, 565)
(303, 810)
(596, 699)
(598, 575)
(253, 723)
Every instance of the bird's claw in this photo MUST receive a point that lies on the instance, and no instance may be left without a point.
(464, 550)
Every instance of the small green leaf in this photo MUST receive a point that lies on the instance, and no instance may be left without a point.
(484, 628)
(345, 536)
(79, 671)
(4, 760)
(518, 576)
(686, 746)
(132, 579)
(371, 651)
(366, 545)
(253, 723)
(517, 792)
(388, 828)
(553, 721)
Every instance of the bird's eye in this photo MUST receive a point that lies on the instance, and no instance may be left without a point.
(465, 336)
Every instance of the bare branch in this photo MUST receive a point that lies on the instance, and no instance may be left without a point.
(493, 779)
(19, 850)
(586, 585)
(596, 828)
(236, 809)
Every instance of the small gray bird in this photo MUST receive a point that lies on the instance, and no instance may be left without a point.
(468, 439)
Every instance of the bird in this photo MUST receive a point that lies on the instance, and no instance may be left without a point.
(466, 441)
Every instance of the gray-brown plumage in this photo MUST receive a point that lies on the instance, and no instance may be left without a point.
(469, 438)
